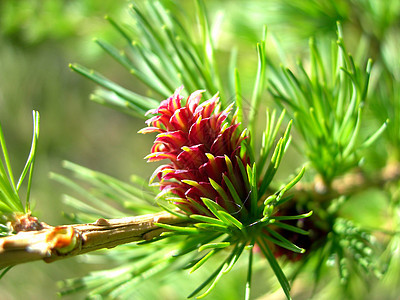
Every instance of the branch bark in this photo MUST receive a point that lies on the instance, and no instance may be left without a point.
(54, 243)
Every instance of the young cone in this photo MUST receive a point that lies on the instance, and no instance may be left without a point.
(204, 152)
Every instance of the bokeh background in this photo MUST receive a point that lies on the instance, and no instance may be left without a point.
(39, 38)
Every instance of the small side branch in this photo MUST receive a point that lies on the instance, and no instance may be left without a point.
(349, 184)
(54, 243)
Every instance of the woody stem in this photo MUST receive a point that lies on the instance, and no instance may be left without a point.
(54, 243)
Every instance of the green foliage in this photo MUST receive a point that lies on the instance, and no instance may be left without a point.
(327, 106)
(163, 53)
(10, 199)
(107, 197)
(354, 245)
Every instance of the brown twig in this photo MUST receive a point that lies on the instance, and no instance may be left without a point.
(54, 243)
(347, 185)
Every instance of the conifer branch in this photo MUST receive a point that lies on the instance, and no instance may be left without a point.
(53, 243)
(48, 243)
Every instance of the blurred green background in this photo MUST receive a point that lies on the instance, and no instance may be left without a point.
(39, 38)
